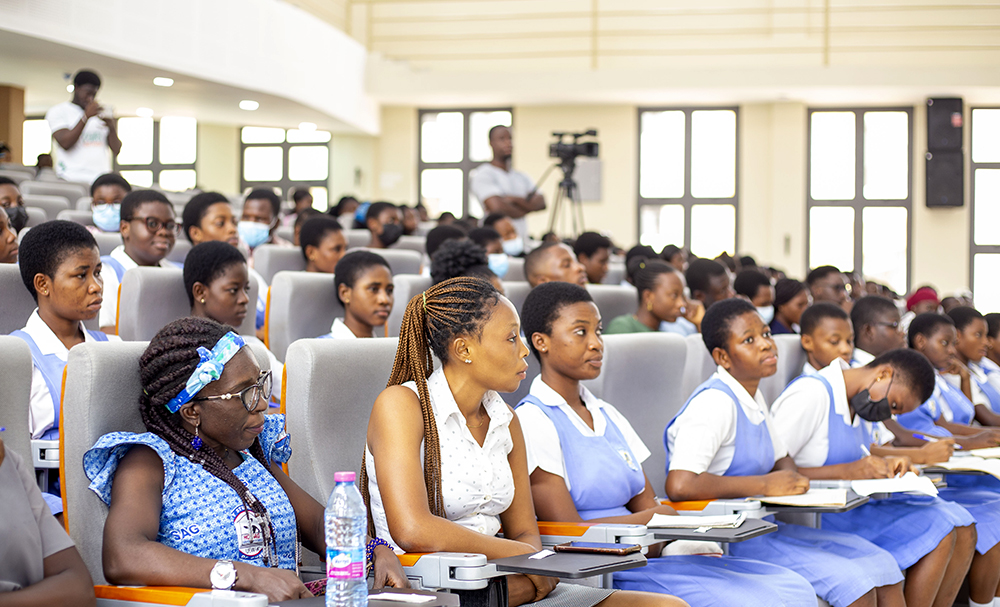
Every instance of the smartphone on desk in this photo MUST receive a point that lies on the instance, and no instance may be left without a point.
(598, 548)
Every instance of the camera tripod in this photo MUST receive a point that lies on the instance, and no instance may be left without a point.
(567, 199)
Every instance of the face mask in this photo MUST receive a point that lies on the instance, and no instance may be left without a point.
(513, 247)
(872, 411)
(390, 234)
(255, 234)
(108, 216)
(18, 217)
(767, 313)
(499, 264)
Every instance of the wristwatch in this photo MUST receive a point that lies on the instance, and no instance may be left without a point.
(224, 575)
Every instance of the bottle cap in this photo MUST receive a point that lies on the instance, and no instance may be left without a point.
(344, 477)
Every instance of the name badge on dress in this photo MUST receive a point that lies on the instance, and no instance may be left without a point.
(250, 533)
(628, 458)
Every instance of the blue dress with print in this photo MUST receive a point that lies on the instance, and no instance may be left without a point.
(201, 514)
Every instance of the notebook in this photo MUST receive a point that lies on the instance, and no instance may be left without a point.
(813, 497)
(909, 482)
(672, 521)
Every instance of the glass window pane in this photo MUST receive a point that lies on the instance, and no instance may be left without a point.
(297, 136)
(661, 154)
(441, 137)
(308, 163)
(986, 197)
(713, 154)
(262, 164)
(832, 149)
(37, 140)
(713, 230)
(137, 140)
(831, 237)
(138, 179)
(883, 246)
(178, 140)
(887, 140)
(441, 190)
(260, 134)
(661, 225)
(178, 180)
(985, 136)
(985, 286)
(480, 124)
(321, 198)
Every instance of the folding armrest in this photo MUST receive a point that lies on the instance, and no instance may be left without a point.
(606, 533)
(116, 596)
(45, 453)
(752, 507)
(447, 570)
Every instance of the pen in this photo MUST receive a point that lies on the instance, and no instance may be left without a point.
(865, 450)
(931, 439)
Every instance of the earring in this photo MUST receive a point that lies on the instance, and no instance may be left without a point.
(649, 306)
(468, 362)
(196, 441)
(202, 301)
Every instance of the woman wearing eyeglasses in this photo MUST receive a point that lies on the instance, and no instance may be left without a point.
(200, 500)
(149, 230)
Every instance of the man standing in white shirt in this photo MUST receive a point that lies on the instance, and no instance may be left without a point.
(83, 137)
(502, 189)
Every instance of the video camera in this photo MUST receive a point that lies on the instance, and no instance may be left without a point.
(568, 151)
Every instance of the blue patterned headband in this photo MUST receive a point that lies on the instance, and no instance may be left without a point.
(209, 368)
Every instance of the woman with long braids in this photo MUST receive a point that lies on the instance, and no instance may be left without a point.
(445, 461)
(200, 500)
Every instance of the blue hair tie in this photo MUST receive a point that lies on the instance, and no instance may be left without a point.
(210, 366)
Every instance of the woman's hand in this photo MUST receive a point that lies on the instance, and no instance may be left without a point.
(899, 464)
(785, 482)
(543, 586)
(694, 311)
(937, 451)
(872, 466)
(277, 584)
(388, 571)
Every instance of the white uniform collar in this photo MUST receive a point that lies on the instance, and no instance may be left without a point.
(46, 339)
(754, 403)
(834, 373)
(339, 330)
(862, 358)
(543, 392)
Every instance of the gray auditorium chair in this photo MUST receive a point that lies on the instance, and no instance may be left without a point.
(699, 365)
(406, 286)
(791, 358)
(16, 304)
(108, 241)
(300, 305)
(151, 298)
(68, 190)
(286, 232)
(616, 273)
(15, 386)
(401, 261)
(515, 273)
(18, 175)
(182, 246)
(35, 217)
(413, 243)
(101, 395)
(357, 238)
(614, 300)
(83, 203)
(269, 259)
(84, 218)
(52, 205)
(516, 292)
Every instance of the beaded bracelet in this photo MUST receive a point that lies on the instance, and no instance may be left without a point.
(370, 550)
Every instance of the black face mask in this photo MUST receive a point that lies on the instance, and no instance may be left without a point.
(869, 410)
(18, 217)
(390, 234)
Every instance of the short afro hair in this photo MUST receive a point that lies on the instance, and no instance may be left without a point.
(820, 273)
(816, 313)
(490, 220)
(785, 290)
(299, 194)
(376, 209)
(112, 179)
(9, 181)
(926, 324)
(748, 282)
(46, 246)
(136, 198)
(208, 261)
(715, 326)
(484, 236)
(456, 258)
(589, 243)
(869, 309)
(86, 77)
(305, 215)
(315, 229)
(533, 260)
(195, 209)
(543, 304)
(268, 195)
(700, 273)
(963, 316)
(912, 366)
(437, 236)
(352, 265)
(993, 324)
(669, 251)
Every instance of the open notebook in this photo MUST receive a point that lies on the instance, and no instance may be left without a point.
(813, 497)
(989, 466)
(670, 521)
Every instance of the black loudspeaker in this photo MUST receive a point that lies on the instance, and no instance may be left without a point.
(944, 124)
(945, 182)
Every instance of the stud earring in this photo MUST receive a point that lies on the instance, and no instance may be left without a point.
(649, 306)
(196, 441)
(202, 301)
(468, 362)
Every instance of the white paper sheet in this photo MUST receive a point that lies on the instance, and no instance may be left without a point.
(909, 482)
(990, 466)
(813, 497)
(670, 521)
(401, 598)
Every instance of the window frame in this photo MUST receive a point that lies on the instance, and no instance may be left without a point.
(155, 165)
(859, 202)
(285, 184)
(687, 200)
(466, 164)
(977, 249)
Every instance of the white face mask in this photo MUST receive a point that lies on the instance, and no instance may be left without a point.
(767, 313)
(513, 247)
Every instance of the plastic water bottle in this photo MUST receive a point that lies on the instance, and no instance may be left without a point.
(346, 524)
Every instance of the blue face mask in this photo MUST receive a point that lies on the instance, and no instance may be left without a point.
(767, 313)
(499, 264)
(108, 216)
(255, 234)
(513, 247)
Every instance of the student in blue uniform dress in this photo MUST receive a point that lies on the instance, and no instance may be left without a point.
(203, 489)
(61, 268)
(972, 346)
(825, 418)
(721, 445)
(362, 281)
(584, 461)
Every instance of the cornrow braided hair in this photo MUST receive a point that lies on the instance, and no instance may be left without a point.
(459, 306)
(164, 369)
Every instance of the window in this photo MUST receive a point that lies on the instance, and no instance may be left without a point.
(286, 160)
(160, 151)
(859, 194)
(985, 168)
(452, 143)
(688, 179)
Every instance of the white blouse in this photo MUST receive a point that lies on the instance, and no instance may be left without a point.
(477, 483)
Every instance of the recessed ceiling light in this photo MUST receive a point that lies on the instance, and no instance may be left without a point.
(307, 126)
(163, 81)
(249, 105)
(144, 112)
(69, 88)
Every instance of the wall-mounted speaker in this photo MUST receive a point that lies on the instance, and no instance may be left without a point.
(944, 124)
(945, 179)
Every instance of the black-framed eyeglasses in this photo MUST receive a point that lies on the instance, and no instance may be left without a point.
(250, 395)
(153, 224)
